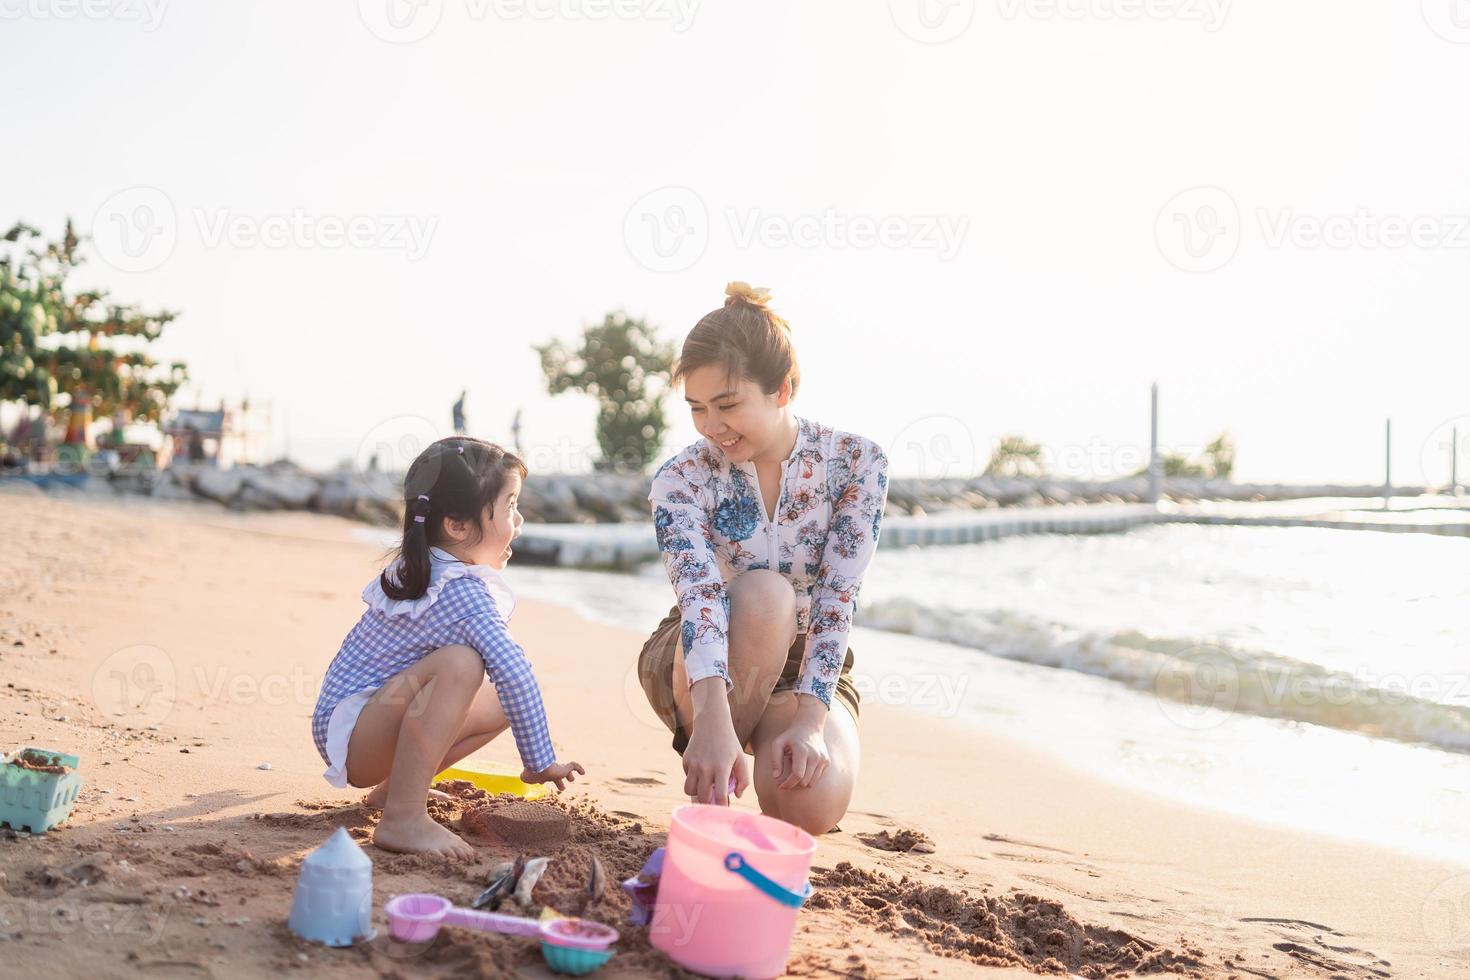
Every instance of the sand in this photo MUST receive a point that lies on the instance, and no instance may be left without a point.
(176, 648)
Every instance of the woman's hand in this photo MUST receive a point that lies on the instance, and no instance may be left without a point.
(555, 773)
(800, 752)
(713, 758)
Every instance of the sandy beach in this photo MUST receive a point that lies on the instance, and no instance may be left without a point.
(177, 650)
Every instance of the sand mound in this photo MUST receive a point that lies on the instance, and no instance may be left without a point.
(1014, 930)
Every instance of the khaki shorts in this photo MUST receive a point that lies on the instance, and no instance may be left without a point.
(656, 673)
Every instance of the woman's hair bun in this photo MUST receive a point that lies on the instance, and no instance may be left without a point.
(744, 292)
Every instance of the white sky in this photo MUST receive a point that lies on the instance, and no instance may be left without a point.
(1054, 141)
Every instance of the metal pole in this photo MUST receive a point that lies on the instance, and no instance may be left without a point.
(1387, 461)
(1153, 444)
(1455, 461)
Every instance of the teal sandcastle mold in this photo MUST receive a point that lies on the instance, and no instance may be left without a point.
(38, 801)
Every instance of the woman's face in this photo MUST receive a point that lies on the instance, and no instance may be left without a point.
(499, 526)
(737, 417)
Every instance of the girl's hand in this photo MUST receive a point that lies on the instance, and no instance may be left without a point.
(712, 760)
(800, 755)
(555, 773)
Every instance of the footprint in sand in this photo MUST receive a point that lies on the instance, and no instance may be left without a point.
(639, 780)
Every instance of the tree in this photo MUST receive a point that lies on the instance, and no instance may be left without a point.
(622, 363)
(1215, 462)
(57, 346)
(1219, 456)
(1016, 456)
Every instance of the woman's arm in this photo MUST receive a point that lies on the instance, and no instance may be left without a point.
(858, 484)
(681, 524)
(852, 538)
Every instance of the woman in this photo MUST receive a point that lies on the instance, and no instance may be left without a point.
(766, 529)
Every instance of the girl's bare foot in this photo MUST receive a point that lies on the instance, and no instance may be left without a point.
(378, 795)
(420, 835)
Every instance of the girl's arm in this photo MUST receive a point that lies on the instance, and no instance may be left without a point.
(515, 685)
(681, 525)
(857, 512)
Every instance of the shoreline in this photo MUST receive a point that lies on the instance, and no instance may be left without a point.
(247, 611)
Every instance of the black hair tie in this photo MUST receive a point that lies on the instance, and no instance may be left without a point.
(422, 507)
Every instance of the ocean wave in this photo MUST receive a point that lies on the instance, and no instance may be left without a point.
(1194, 676)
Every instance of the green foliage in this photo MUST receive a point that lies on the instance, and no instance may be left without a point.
(1215, 462)
(1219, 456)
(1016, 456)
(54, 342)
(621, 363)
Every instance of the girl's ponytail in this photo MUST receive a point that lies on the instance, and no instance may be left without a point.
(456, 478)
(412, 568)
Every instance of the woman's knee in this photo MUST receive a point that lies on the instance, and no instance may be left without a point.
(763, 596)
(816, 809)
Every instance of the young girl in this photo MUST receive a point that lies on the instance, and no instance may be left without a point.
(766, 529)
(430, 674)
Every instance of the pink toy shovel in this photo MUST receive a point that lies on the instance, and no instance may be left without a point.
(571, 946)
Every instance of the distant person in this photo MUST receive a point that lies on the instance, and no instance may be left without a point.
(459, 426)
(430, 672)
(515, 433)
(195, 444)
(766, 526)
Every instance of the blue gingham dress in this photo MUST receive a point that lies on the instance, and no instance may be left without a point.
(460, 607)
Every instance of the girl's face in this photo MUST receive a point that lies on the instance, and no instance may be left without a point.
(499, 526)
(738, 418)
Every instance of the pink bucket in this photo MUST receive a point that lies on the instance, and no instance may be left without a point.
(731, 887)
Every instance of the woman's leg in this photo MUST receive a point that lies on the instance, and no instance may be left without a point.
(816, 808)
(406, 730)
(762, 629)
(484, 722)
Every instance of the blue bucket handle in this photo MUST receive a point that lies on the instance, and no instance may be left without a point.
(735, 861)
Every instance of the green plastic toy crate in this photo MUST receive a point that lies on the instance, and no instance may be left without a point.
(38, 801)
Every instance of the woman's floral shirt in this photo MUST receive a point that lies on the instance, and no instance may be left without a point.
(711, 527)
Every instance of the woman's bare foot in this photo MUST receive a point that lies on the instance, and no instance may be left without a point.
(378, 795)
(420, 835)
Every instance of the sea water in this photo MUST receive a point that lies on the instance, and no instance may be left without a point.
(1305, 676)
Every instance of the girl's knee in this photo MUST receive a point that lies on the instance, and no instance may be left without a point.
(456, 664)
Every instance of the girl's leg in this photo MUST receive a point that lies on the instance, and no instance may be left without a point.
(482, 724)
(762, 629)
(816, 808)
(406, 730)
